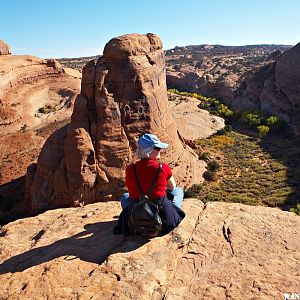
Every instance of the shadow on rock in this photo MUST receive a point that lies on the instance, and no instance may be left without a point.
(286, 150)
(94, 245)
(12, 204)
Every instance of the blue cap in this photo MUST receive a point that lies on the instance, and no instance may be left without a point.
(148, 140)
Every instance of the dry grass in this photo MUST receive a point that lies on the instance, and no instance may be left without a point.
(253, 171)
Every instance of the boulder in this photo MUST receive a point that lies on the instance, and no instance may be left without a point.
(122, 96)
(219, 251)
(4, 48)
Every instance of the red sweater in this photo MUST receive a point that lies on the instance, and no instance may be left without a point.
(146, 170)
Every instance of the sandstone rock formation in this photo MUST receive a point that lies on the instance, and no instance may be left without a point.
(123, 95)
(219, 251)
(4, 48)
(28, 84)
(212, 86)
(275, 88)
(211, 70)
(36, 98)
(216, 70)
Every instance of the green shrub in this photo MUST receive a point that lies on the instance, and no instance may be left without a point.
(187, 94)
(224, 111)
(204, 105)
(272, 120)
(193, 191)
(204, 156)
(215, 103)
(213, 166)
(296, 210)
(210, 175)
(263, 130)
(252, 119)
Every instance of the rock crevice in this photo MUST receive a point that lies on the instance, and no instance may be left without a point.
(227, 235)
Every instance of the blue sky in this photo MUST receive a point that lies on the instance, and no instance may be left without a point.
(73, 28)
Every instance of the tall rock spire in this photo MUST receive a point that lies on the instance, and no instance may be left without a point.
(122, 96)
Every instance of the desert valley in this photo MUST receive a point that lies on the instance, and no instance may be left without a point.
(68, 129)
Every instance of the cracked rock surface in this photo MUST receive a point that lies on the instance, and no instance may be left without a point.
(219, 251)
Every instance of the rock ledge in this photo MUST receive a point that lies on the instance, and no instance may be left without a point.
(219, 251)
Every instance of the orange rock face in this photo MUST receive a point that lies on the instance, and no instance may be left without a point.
(4, 48)
(36, 98)
(275, 89)
(123, 95)
(219, 251)
(28, 83)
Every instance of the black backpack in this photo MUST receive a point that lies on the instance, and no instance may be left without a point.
(144, 218)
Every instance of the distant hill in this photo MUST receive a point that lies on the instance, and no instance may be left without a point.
(77, 62)
(210, 70)
(216, 70)
(192, 53)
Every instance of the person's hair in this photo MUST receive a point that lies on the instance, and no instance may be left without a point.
(143, 152)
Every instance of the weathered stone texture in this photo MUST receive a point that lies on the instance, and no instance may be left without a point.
(219, 251)
(275, 89)
(123, 95)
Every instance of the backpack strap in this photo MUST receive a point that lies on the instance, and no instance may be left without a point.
(137, 180)
(153, 181)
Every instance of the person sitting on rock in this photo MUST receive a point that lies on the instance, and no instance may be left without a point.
(165, 193)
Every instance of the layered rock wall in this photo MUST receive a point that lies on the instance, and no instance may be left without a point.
(26, 84)
(275, 89)
(122, 96)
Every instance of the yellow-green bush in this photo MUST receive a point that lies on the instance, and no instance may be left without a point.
(263, 130)
(221, 141)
